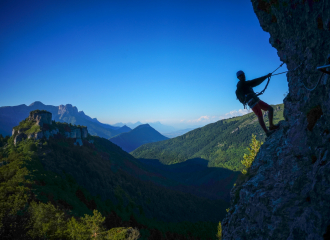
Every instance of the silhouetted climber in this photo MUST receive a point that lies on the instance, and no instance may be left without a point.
(246, 95)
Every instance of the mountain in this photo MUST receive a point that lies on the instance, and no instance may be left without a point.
(129, 124)
(156, 125)
(59, 188)
(286, 192)
(11, 116)
(222, 143)
(177, 133)
(138, 136)
(162, 128)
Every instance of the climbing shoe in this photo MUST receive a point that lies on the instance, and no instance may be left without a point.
(274, 127)
(270, 133)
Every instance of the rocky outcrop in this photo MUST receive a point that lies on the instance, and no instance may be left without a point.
(19, 137)
(84, 132)
(75, 133)
(286, 194)
(41, 117)
(44, 120)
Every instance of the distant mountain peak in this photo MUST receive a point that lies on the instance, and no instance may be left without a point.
(143, 125)
(37, 103)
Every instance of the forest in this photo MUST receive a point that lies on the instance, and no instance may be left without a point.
(222, 143)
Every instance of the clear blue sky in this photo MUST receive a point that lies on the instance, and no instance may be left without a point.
(128, 61)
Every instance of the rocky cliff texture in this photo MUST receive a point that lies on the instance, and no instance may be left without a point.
(44, 120)
(41, 117)
(286, 194)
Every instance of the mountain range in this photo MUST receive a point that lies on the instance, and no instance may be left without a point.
(11, 116)
(140, 135)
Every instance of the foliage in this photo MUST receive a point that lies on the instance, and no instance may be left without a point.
(32, 207)
(44, 193)
(46, 221)
(33, 129)
(222, 143)
(31, 146)
(38, 111)
(3, 140)
(219, 233)
(253, 150)
(26, 123)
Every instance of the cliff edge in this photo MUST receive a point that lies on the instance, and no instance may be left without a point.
(39, 125)
(286, 193)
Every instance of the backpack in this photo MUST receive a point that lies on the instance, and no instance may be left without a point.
(240, 96)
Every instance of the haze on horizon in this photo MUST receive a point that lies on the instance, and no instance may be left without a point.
(128, 61)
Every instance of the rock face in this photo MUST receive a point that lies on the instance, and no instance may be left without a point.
(41, 117)
(75, 133)
(84, 132)
(19, 137)
(287, 195)
(44, 120)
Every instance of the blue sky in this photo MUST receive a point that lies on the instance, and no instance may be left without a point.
(127, 61)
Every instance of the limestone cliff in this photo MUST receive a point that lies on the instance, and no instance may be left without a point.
(286, 194)
(39, 125)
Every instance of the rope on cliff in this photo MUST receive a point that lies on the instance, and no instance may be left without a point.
(311, 89)
(274, 75)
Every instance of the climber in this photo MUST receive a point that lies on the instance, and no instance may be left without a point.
(246, 95)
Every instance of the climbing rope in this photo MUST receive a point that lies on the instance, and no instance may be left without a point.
(285, 71)
(311, 89)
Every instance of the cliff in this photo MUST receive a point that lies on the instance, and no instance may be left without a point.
(286, 193)
(39, 125)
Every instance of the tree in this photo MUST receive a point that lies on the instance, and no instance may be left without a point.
(219, 234)
(253, 150)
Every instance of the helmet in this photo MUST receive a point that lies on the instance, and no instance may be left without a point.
(240, 72)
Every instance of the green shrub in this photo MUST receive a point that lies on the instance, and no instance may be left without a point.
(219, 234)
(253, 150)
(33, 129)
(30, 147)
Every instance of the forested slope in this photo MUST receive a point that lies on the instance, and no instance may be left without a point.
(48, 181)
(222, 143)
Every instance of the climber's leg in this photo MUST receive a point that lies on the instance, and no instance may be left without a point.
(257, 110)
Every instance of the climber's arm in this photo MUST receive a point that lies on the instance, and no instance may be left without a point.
(257, 81)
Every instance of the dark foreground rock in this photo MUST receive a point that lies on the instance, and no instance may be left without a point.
(286, 194)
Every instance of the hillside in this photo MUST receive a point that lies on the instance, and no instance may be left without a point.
(55, 180)
(11, 116)
(140, 135)
(222, 143)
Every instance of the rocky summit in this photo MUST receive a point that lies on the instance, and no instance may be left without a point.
(39, 125)
(286, 193)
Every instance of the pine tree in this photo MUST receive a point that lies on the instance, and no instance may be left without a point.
(219, 234)
(253, 150)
